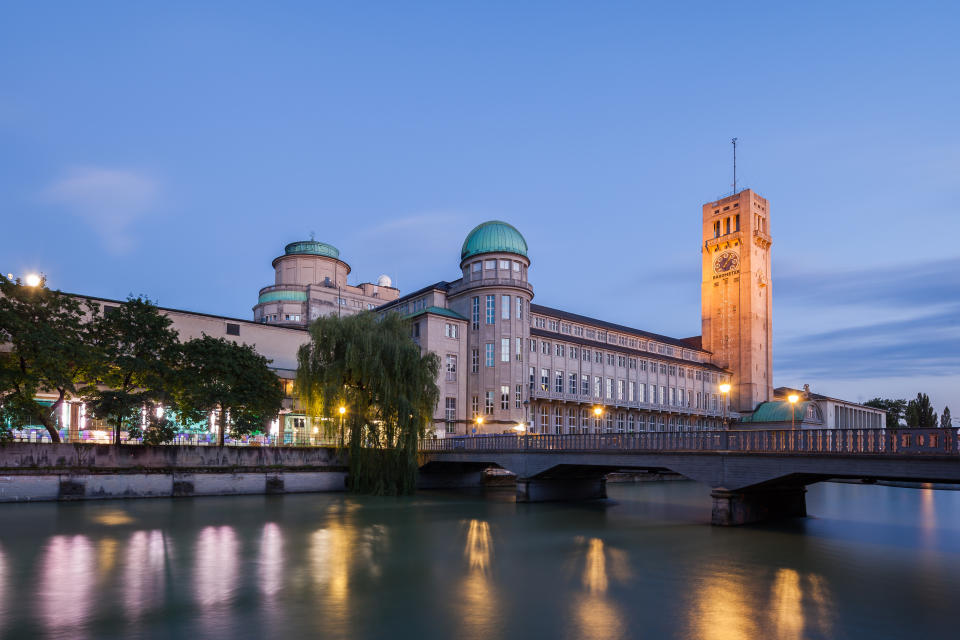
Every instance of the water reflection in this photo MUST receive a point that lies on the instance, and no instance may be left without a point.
(271, 561)
(786, 605)
(596, 615)
(144, 576)
(478, 599)
(215, 574)
(106, 557)
(113, 517)
(3, 589)
(66, 585)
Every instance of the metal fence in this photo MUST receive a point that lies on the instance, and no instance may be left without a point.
(40, 436)
(812, 441)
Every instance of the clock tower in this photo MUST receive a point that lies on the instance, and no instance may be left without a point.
(736, 311)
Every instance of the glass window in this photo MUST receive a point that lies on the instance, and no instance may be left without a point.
(450, 410)
(504, 397)
(505, 265)
(518, 398)
(516, 266)
(475, 360)
(476, 312)
(620, 385)
(631, 391)
(505, 307)
(597, 386)
(488, 355)
(584, 384)
(519, 308)
(609, 388)
(451, 367)
(572, 386)
(491, 309)
(558, 381)
(504, 349)
(545, 379)
(519, 352)
(489, 264)
(475, 267)
(488, 403)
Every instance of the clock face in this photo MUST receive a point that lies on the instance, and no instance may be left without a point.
(726, 262)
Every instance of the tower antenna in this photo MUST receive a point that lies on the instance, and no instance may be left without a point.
(734, 142)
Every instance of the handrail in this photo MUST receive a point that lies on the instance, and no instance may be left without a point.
(905, 442)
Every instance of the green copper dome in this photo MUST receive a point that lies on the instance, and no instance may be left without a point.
(312, 248)
(493, 237)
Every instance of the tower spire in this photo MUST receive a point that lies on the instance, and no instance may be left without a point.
(733, 141)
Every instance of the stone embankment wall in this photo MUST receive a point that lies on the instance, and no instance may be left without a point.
(82, 471)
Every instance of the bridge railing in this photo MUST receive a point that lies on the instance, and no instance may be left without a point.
(809, 441)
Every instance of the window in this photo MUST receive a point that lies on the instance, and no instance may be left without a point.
(489, 264)
(553, 325)
(571, 420)
(416, 329)
(632, 391)
(598, 357)
(488, 354)
(540, 323)
(736, 222)
(558, 350)
(584, 384)
(505, 307)
(519, 306)
(450, 412)
(609, 389)
(475, 318)
(620, 422)
(585, 353)
(643, 393)
(545, 379)
(673, 396)
(573, 353)
(505, 265)
(504, 349)
(475, 360)
(558, 420)
(505, 397)
(533, 376)
(663, 395)
(491, 309)
(488, 403)
(716, 229)
(518, 398)
(597, 386)
(558, 381)
(475, 267)
(234, 329)
(620, 385)
(544, 420)
(516, 267)
(451, 367)
(629, 423)
(621, 361)
(572, 384)
(450, 331)
(610, 359)
(544, 347)
(475, 406)
(519, 352)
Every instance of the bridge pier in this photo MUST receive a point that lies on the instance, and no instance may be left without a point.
(731, 508)
(561, 489)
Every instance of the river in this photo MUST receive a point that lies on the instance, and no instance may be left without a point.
(871, 562)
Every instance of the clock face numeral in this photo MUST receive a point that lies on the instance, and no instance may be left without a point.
(726, 262)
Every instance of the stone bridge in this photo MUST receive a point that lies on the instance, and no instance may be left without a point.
(755, 475)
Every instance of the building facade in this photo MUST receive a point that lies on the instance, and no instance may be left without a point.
(310, 280)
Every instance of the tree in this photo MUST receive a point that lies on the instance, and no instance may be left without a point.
(895, 409)
(388, 388)
(138, 352)
(45, 346)
(920, 413)
(219, 375)
(946, 422)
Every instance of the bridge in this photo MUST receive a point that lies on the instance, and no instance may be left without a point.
(754, 475)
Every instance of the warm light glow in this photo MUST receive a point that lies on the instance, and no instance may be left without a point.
(32, 280)
(316, 429)
(479, 419)
(342, 410)
(597, 411)
(793, 398)
(520, 428)
(725, 388)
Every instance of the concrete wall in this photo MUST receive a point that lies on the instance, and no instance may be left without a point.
(81, 472)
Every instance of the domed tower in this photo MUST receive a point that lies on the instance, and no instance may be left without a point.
(494, 295)
(310, 280)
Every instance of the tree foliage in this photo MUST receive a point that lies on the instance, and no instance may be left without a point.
(216, 374)
(45, 346)
(388, 387)
(920, 413)
(946, 422)
(137, 352)
(896, 410)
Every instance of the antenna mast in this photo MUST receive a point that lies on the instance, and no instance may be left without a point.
(734, 142)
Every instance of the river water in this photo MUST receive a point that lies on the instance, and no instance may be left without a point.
(872, 562)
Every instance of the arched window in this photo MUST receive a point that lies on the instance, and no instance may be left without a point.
(630, 422)
(571, 420)
(620, 422)
(544, 419)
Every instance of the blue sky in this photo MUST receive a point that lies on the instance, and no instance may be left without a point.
(173, 149)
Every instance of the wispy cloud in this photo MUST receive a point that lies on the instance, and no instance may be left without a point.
(109, 200)
(890, 322)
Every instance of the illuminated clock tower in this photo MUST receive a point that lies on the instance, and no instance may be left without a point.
(736, 311)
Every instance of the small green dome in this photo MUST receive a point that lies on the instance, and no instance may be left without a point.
(312, 248)
(493, 237)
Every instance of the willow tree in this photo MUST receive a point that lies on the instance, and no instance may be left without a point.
(373, 370)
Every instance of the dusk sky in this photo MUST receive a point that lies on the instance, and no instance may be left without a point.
(174, 149)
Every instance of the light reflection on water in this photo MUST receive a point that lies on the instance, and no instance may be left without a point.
(468, 567)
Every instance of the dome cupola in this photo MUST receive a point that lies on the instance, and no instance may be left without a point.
(494, 236)
(311, 248)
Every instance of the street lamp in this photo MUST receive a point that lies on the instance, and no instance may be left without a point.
(597, 413)
(32, 280)
(341, 410)
(793, 403)
(479, 423)
(724, 390)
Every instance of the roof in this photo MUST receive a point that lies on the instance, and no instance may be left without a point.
(782, 392)
(566, 315)
(777, 411)
(494, 236)
(312, 248)
(440, 311)
(443, 285)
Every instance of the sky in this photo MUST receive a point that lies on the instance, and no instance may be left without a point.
(173, 149)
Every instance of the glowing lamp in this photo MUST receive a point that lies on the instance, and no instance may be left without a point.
(32, 280)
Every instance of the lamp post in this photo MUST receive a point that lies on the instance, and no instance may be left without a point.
(724, 390)
(341, 410)
(479, 423)
(793, 404)
(597, 413)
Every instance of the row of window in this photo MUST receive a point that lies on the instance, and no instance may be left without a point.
(582, 421)
(489, 401)
(490, 309)
(505, 266)
(621, 390)
(541, 322)
(561, 350)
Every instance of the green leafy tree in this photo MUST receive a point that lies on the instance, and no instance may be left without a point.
(920, 413)
(896, 410)
(138, 353)
(946, 422)
(45, 347)
(219, 375)
(388, 388)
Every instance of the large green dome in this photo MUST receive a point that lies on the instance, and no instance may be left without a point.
(312, 248)
(493, 237)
